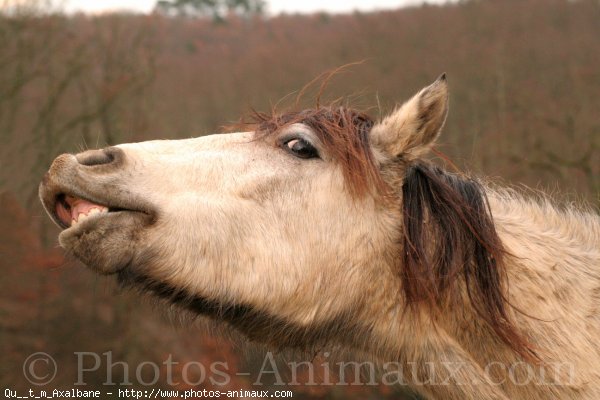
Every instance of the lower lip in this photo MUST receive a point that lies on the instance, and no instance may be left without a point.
(81, 220)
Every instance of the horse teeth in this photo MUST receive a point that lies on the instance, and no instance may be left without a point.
(91, 212)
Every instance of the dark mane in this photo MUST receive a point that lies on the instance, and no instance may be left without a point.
(449, 233)
(448, 229)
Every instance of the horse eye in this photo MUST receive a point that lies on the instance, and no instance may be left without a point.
(301, 148)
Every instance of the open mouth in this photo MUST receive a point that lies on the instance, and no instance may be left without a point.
(72, 211)
(102, 219)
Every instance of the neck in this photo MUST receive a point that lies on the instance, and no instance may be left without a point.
(552, 292)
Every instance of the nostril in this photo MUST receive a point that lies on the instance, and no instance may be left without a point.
(94, 157)
(98, 157)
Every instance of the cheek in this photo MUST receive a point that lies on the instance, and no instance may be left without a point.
(261, 190)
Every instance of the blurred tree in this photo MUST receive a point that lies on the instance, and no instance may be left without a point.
(217, 9)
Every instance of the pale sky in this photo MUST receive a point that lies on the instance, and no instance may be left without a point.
(274, 6)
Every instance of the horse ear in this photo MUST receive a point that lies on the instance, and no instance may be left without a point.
(412, 129)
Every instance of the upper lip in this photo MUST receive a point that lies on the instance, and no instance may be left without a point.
(68, 177)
